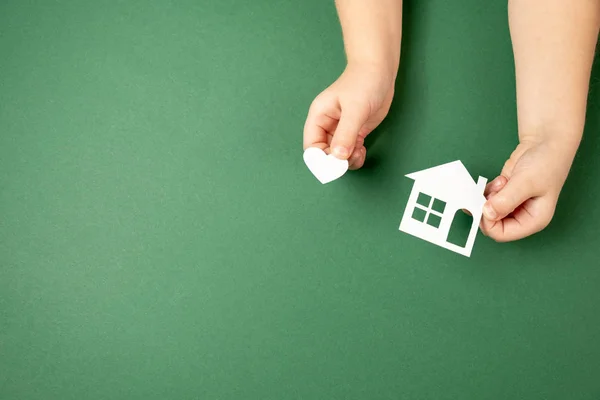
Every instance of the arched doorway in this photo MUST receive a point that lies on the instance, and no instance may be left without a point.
(460, 228)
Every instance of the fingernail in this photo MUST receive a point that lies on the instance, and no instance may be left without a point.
(496, 182)
(489, 211)
(341, 152)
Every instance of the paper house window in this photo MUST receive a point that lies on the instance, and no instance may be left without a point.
(429, 210)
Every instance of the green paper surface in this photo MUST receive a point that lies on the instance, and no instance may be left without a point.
(161, 237)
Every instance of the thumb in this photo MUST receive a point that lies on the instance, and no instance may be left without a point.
(517, 190)
(351, 122)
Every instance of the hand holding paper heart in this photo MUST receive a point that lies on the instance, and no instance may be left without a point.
(342, 116)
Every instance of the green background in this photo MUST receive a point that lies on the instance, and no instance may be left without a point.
(161, 238)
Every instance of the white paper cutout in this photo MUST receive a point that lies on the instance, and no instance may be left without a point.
(452, 184)
(325, 168)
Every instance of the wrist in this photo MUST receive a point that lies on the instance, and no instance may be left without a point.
(561, 149)
(385, 69)
(565, 140)
(372, 33)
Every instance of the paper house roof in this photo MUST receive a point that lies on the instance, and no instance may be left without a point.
(450, 182)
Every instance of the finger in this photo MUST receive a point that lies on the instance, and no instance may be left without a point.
(529, 218)
(504, 230)
(517, 190)
(484, 224)
(357, 160)
(351, 121)
(515, 227)
(490, 195)
(322, 119)
(318, 130)
(507, 229)
(354, 158)
(495, 186)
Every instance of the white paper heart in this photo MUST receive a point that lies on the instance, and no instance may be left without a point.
(325, 168)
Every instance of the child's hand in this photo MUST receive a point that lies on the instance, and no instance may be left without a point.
(342, 116)
(522, 200)
(554, 51)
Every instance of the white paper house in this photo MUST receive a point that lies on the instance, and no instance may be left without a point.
(438, 194)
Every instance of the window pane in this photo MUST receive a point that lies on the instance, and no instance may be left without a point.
(424, 199)
(434, 220)
(419, 214)
(439, 206)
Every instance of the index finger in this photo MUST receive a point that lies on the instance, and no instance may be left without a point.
(522, 222)
(321, 122)
(495, 186)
